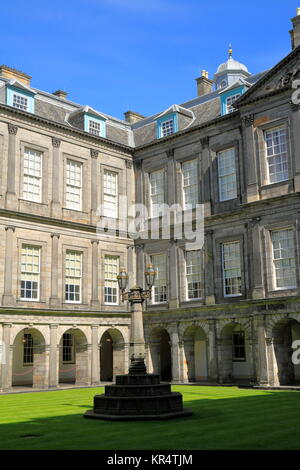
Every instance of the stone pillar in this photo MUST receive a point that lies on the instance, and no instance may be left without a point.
(95, 284)
(256, 267)
(250, 161)
(83, 369)
(56, 179)
(212, 352)
(40, 375)
(171, 178)
(11, 201)
(8, 297)
(94, 184)
(296, 143)
(95, 356)
(130, 266)
(7, 367)
(209, 269)
(137, 341)
(262, 365)
(175, 355)
(54, 300)
(53, 357)
(206, 183)
(173, 276)
(140, 265)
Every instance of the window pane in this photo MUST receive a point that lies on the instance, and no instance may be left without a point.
(111, 271)
(276, 151)
(231, 261)
(68, 347)
(284, 264)
(193, 274)
(167, 127)
(156, 191)
(30, 272)
(73, 275)
(229, 102)
(160, 283)
(32, 178)
(190, 183)
(227, 175)
(28, 349)
(110, 196)
(20, 102)
(94, 127)
(73, 185)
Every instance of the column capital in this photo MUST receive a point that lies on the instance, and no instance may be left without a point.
(7, 325)
(10, 227)
(248, 120)
(94, 153)
(170, 152)
(53, 326)
(95, 327)
(12, 128)
(95, 241)
(128, 164)
(294, 106)
(56, 142)
(204, 141)
(53, 235)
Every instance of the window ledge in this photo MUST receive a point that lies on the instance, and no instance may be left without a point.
(34, 202)
(274, 185)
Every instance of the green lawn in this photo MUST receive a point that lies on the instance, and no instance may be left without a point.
(224, 418)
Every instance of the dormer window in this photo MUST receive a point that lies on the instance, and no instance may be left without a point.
(20, 97)
(229, 102)
(94, 125)
(167, 125)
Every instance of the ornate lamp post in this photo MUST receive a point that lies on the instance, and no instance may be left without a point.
(137, 395)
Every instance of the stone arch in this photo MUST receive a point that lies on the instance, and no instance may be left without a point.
(112, 354)
(160, 353)
(194, 341)
(284, 331)
(74, 360)
(235, 354)
(30, 358)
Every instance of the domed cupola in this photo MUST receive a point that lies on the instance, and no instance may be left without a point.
(230, 72)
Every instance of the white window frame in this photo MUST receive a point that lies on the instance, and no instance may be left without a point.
(229, 102)
(20, 96)
(231, 268)
(71, 347)
(157, 281)
(167, 127)
(30, 175)
(159, 195)
(225, 176)
(95, 127)
(189, 171)
(30, 273)
(281, 157)
(28, 349)
(68, 252)
(110, 197)
(282, 258)
(198, 273)
(73, 186)
(108, 281)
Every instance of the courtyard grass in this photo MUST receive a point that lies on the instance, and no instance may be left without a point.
(224, 418)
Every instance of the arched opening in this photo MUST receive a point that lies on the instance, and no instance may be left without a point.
(283, 334)
(112, 355)
(235, 355)
(195, 354)
(29, 359)
(160, 352)
(73, 358)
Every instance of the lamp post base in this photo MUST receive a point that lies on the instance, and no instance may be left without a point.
(138, 396)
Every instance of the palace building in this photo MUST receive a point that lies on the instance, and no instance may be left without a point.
(226, 313)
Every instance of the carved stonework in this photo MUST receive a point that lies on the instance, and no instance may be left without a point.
(248, 120)
(269, 341)
(57, 235)
(204, 142)
(170, 153)
(56, 142)
(128, 164)
(294, 106)
(10, 227)
(286, 78)
(94, 153)
(254, 221)
(12, 129)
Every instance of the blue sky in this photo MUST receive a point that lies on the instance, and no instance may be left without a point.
(142, 55)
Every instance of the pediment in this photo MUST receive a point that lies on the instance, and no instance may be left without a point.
(279, 78)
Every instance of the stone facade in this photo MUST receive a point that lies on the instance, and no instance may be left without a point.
(216, 337)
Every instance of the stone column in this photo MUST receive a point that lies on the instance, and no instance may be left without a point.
(7, 367)
(95, 284)
(95, 356)
(140, 264)
(8, 297)
(171, 178)
(94, 184)
(56, 179)
(173, 276)
(137, 340)
(250, 162)
(255, 252)
(296, 143)
(175, 355)
(262, 366)
(212, 352)
(209, 269)
(54, 300)
(11, 201)
(206, 183)
(53, 357)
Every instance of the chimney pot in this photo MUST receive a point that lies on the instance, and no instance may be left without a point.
(132, 117)
(11, 73)
(60, 94)
(295, 32)
(204, 84)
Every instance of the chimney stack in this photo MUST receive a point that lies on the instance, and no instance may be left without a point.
(295, 32)
(60, 94)
(10, 73)
(204, 84)
(132, 117)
